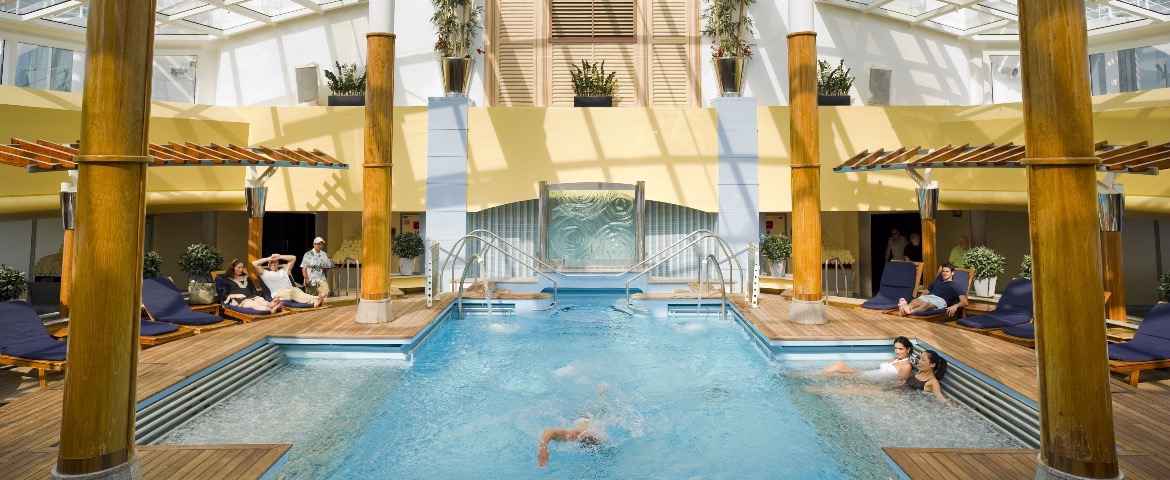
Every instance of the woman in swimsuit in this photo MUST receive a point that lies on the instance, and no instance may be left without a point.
(932, 367)
(897, 370)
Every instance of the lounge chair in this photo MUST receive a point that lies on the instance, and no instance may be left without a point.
(1025, 333)
(962, 280)
(898, 281)
(246, 315)
(150, 333)
(1149, 349)
(25, 342)
(1013, 308)
(165, 304)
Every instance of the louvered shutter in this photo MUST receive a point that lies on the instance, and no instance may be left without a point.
(593, 19)
(514, 52)
(672, 77)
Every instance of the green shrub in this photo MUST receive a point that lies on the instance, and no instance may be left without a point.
(12, 283)
(985, 262)
(775, 247)
(151, 264)
(456, 23)
(727, 24)
(1164, 287)
(199, 260)
(591, 80)
(346, 81)
(834, 80)
(408, 245)
(1026, 267)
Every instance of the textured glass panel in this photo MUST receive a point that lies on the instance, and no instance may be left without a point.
(1153, 67)
(964, 19)
(1127, 70)
(913, 8)
(1098, 81)
(220, 19)
(1160, 6)
(591, 228)
(171, 7)
(32, 65)
(61, 72)
(272, 8)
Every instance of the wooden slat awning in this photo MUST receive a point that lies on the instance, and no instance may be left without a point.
(1136, 158)
(44, 156)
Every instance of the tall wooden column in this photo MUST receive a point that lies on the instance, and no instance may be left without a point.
(255, 241)
(374, 306)
(1076, 411)
(929, 246)
(97, 428)
(808, 295)
(68, 205)
(1113, 258)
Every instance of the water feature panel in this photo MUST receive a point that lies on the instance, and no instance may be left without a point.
(591, 229)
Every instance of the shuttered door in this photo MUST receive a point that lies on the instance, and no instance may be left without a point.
(672, 73)
(595, 31)
(515, 24)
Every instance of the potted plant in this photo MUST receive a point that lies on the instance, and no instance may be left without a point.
(728, 25)
(776, 249)
(456, 23)
(988, 266)
(1026, 267)
(407, 247)
(198, 261)
(1164, 288)
(151, 264)
(592, 86)
(12, 283)
(347, 87)
(833, 83)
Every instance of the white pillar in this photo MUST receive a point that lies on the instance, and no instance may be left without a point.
(381, 16)
(800, 16)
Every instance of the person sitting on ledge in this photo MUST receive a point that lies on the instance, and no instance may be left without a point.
(941, 294)
(278, 279)
(241, 292)
(897, 370)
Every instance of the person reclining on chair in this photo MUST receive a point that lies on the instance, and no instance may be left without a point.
(941, 294)
(278, 279)
(239, 291)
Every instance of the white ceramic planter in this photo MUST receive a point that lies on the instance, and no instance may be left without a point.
(201, 293)
(985, 287)
(406, 266)
(778, 268)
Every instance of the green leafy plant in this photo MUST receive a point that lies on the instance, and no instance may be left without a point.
(985, 262)
(729, 27)
(12, 283)
(775, 247)
(1026, 267)
(834, 80)
(1164, 287)
(591, 80)
(346, 81)
(408, 245)
(456, 23)
(151, 264)
(199, 260)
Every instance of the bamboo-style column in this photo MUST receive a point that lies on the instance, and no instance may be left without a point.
(255, 241)
(808, 296)
(374, 306)
(927, 192)
(1076, 411)
(929, 247)
(68, 201)
(97, 428)
(255, 196)
(1111, 208)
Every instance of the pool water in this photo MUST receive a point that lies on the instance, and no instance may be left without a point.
(674, 397)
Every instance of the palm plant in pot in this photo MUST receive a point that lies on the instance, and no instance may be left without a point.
(833, 83)
(198, 261)
(988, 266)
(777, 249)
(407, 247)
(727, 24)
(456, 24)
(1026, 267)
(348, 89)
(592, 85)
(151, 264)
(12, 283)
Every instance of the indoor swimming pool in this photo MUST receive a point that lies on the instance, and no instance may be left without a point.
(671, 395)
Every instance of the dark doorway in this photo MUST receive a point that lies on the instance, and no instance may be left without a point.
(881, 226)
(289, 234)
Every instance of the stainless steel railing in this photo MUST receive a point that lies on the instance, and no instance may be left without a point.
(723, 246)
(702, 288)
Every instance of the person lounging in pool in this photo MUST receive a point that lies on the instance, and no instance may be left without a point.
(583, 432)
(897, 370)
(932, 367)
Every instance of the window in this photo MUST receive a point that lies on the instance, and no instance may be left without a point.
(1005, 79)
(1098, 79)
(1153, 67)
(592, 21)
(173, 79)
(44, 67)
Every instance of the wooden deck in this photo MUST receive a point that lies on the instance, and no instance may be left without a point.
(1141, 418)
(30, 425)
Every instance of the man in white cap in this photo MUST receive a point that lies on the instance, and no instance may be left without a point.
(313, 266)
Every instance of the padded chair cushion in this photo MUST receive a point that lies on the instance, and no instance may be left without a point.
(1026, 331)
(899, 274)
(292, 304)
(247, 311)
(167, 305)
(23, 335)
(1140, 349)
(192, 319)
(997, 319)
(1017, 297)
(930, 313)
(1157, 323)
(880, 302)
(154, 329)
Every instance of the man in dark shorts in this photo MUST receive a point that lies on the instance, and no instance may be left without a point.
(941, 294)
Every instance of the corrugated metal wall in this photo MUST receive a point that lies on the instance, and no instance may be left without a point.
(517, 223)
(666, 224)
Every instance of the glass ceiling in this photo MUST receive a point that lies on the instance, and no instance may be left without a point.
(989, 19)
(178, 17)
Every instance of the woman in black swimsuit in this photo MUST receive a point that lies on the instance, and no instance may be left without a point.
(932, 367)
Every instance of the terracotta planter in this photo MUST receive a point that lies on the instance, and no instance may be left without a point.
(456, 75)
(729, 74)
(590, 101)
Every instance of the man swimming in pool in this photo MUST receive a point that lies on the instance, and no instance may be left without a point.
(582, 433)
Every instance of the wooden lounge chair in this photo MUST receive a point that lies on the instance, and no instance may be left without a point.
(898, 281)
(163, 303)
(1025, 334)
(245, 315)
(963, 279)
(25, 342)
(150, 333)
(1013, 308)
(1148, 350)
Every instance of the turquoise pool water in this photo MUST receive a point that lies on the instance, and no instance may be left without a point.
(677, 397)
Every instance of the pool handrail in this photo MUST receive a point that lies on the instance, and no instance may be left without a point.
(723, 246)
(462, 278)
(474, 235)
(663, 251)
(722, 285)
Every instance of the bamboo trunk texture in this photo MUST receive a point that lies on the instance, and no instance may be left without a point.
(377, 173)
(97, 429)
(806, 168)
(66, 271)
(929, 246)
(1076, 427)
(1114, 259)
(255, 243)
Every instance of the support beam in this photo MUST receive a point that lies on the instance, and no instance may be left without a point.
(808, 295)
(1076, 411)
(97, 427)
(1112, 257)
(68, 199)
(374, 305)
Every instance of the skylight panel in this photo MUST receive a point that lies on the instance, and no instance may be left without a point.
(1101, 16)
(172, 7)
(965, 19)
(220, 19)
(1159, 6)
(272, 8)
(22, 7)
(1007, 7)
(76, 16)
(913, 8)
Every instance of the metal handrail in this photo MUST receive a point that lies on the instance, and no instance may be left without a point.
(513, 246)
(663, 251)
(722, 285)
(463, 277)
(706, 234)
(473, 235)
(723, 245)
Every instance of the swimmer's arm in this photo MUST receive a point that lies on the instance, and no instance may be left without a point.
(936, 389)
(550, 435)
